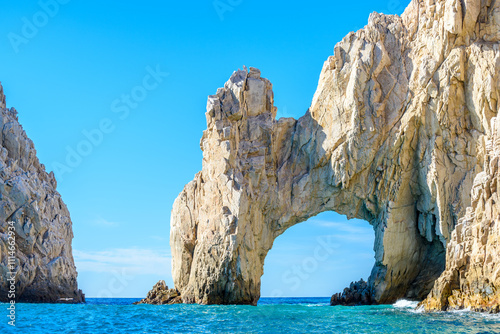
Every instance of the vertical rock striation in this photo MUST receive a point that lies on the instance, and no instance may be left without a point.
(396, 133)
(472, 276)
(44, 266)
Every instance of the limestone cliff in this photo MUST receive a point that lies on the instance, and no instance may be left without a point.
(396, 133)
(43, 230)
(472, 276)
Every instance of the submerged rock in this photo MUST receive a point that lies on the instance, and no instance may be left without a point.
(41, 266)
(161, 295)
(397, 131)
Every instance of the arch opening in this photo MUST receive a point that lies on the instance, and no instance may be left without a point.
(318, 257)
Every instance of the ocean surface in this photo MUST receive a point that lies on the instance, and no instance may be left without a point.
(272, 315)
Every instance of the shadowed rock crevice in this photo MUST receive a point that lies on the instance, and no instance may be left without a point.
(395, 135)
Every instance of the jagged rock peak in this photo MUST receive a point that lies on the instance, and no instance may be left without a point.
(161, 295)
(2, 98)
(43, 264)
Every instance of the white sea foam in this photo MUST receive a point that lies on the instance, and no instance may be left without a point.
(403, 303)
(419, 309)
(465, 310)
(317, 305)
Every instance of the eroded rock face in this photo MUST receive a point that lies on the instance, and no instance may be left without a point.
(43, 230)
(395, 135)
(472, 275)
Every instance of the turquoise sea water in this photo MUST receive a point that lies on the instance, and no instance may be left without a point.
(272, 315)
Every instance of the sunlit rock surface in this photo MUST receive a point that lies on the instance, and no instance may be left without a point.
(396, 133)
(44, 266)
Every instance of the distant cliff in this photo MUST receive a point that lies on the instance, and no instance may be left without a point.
(43, 261)
(399, 133)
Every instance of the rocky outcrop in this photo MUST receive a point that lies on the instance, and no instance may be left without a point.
(358, 293)
(43, 261)
(161, 295)
(395, 135)
(472, 276)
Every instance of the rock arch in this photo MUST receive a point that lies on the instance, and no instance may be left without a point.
(393, 136)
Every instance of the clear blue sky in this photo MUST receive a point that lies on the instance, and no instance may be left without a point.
(67, 71)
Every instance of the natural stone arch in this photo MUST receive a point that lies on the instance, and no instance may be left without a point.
(389, 138)
(261, 176)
